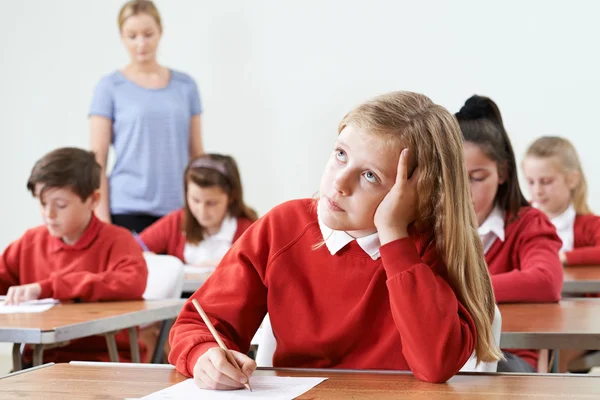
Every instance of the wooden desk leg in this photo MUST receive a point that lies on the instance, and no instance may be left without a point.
(133, 343)
(16, 357)
(111, 343)
(165, 327)
(38, 355)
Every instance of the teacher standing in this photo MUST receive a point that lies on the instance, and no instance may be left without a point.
(151, 114)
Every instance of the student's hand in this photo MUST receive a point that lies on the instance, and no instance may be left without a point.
(563, 257)
(399, 207)
(19, 294)
(213, 371)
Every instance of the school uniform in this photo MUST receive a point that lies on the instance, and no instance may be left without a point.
(166, 236)
(104, 264)
(522, 257)
(342, 304)
(580, 235)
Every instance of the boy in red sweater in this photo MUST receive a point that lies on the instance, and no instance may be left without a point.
(73, 256)
(520, 243)
(383, 271)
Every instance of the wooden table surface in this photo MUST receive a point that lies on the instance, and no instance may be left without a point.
(192, 282)
(583, 279)
(67, 381)
(569, 324)
(74, 320)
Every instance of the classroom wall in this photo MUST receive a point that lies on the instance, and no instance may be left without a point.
(277, 76)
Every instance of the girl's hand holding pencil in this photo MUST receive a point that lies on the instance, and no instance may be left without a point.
(220, 368)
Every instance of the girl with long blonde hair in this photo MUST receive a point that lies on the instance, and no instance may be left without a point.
(401, 282)
(558, 187)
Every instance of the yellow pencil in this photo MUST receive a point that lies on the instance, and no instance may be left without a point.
(217, 337)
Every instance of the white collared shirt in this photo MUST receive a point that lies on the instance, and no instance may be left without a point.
(492, 228)
(212, 247)
(337, 240)
(565, 224)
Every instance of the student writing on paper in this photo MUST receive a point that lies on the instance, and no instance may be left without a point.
(520, 244)
(384, 270)
(558, 187)
(214, 216)
(73, 255)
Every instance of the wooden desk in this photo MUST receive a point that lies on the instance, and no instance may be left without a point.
(569, 324)
(67, 381)
(69, 321)
(192, 282)
(581, 280)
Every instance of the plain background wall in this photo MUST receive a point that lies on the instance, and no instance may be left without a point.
(277, 76)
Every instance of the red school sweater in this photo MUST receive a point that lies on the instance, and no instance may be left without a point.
(586, 247)
(165, 236)
(342, 311)
(525, 267)
(106, 263)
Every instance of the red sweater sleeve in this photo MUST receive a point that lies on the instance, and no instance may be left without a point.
(9, 266)
(438, 334)
(123, 279)
(587, 241)
(235, 292)
(539, 274)
(158, 236)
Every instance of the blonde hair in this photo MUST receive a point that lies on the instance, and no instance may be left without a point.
(444, 205)
(135, 7)
(566, 155)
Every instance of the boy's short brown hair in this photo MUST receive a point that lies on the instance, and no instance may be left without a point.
(67, 167)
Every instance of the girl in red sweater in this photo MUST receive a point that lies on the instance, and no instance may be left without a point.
(383, 271)
(520, 243)
(559, 189)
(214, 215)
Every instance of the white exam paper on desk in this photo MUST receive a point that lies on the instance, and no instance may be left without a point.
(31, 306)
(263, 387)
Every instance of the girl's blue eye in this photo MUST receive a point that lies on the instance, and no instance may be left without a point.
(340, 155)
(370, 176)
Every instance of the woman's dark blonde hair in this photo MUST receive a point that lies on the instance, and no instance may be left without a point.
(136, 7)
(432, 134)
(212, 170)
(567, 160)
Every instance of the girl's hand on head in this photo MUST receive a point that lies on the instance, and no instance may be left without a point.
(399, 207)
(213, 370)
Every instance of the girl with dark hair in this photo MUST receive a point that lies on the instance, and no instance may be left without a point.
(520, 243)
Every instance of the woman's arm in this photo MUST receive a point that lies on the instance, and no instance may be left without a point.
(196, 148)
(100, 138)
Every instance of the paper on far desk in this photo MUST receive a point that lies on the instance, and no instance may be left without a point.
(263, 387)
(31, 306)
(192, 269)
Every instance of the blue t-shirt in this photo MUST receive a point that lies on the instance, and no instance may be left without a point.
(151, 137)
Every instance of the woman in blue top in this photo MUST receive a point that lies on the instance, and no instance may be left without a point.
(151, 114)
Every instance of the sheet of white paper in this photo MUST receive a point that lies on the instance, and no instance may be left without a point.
(32, 306)
(192, 269)
(263, 387)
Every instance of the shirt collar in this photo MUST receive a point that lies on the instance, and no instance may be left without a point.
(494, 223)
(90, 233)
(566, 219)
(337, 240)
(227, 230)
